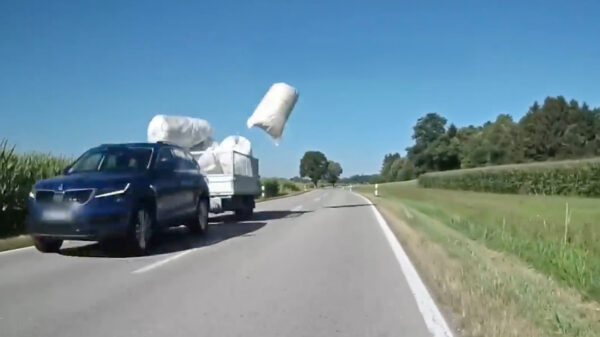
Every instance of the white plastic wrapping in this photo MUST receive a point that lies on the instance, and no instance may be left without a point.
(209, 160)
(274, 109)
(186, 132)
(206, 144)
(230, 161)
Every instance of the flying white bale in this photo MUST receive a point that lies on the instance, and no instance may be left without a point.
(183, 131)
(274, 109)
(231, 161)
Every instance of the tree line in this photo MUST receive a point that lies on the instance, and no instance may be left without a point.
(556, 130)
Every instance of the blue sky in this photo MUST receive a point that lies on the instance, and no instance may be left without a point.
(74, 74)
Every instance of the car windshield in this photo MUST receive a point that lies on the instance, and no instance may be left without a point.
(113, 159)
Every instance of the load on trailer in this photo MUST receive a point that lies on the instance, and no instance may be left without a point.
(230, 169)
(235, 188)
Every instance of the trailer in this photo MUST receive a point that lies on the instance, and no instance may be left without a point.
(235, 188)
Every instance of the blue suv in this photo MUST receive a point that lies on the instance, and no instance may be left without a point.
(119, 191)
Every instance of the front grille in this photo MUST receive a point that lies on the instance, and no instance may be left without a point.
(78, 196)
(69, 196)
(44, 196)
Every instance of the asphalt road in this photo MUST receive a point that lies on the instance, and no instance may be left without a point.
(316, 264)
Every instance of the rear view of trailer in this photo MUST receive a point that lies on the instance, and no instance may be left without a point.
(236, 185)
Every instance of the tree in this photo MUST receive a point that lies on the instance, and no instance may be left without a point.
(395, 168)
(427, 130)
(313, 165)
(334, 170)
(495, 143)
(386, 167)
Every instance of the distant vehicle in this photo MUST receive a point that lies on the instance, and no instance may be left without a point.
(235, 189)
(126, 191)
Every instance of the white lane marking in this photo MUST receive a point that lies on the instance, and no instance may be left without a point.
(6, 252)
(317, 199)
(297, 208)
(162, 262)
(431, 313)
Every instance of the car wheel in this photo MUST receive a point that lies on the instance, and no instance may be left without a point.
(142, 229)
(47, 245)
(200, 223)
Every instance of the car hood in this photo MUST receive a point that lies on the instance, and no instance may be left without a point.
(88, 180)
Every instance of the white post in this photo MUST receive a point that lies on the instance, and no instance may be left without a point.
(376, 191)
(263, 191)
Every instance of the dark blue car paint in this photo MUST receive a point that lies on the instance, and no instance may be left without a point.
(172, 195)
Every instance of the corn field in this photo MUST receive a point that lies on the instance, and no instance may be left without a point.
(18, 173)
(572, 177)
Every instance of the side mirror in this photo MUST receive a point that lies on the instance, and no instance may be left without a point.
(65, 171)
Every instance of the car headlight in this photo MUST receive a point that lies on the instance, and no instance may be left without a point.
(103, 193)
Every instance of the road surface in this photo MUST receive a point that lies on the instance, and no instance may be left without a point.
(317, 264)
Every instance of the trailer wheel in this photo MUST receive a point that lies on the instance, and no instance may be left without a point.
(246, 210)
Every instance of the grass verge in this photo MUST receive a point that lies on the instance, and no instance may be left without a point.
(15, 242)
(487, 292)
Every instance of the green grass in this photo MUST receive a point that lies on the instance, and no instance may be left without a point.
(500, 262)
(15, 242)
(529, 227)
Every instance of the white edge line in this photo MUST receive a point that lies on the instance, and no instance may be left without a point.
(297, 208)
(6, 252)
(431, 313)
(161, 262)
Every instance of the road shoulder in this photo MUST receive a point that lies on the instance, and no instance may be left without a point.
(481, 291)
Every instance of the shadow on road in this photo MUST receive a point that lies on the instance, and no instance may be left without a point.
(171, 240)
(348, 206)
(261, 216)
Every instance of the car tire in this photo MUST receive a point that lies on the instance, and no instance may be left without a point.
(142, 228)
(199, 224)
(47, 245)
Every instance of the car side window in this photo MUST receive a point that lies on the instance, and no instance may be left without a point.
(164, 156)
(193, 164)
(181, 160)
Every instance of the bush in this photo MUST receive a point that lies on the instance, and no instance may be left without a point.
(289, 186)
(271, 187)
(571, 177)
(18, 173)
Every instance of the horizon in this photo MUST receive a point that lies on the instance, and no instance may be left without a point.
(98, 73)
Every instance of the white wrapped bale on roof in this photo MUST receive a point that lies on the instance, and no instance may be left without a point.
(186, 132)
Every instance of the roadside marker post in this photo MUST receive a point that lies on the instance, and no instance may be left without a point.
(376, 190)
(262, 194)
